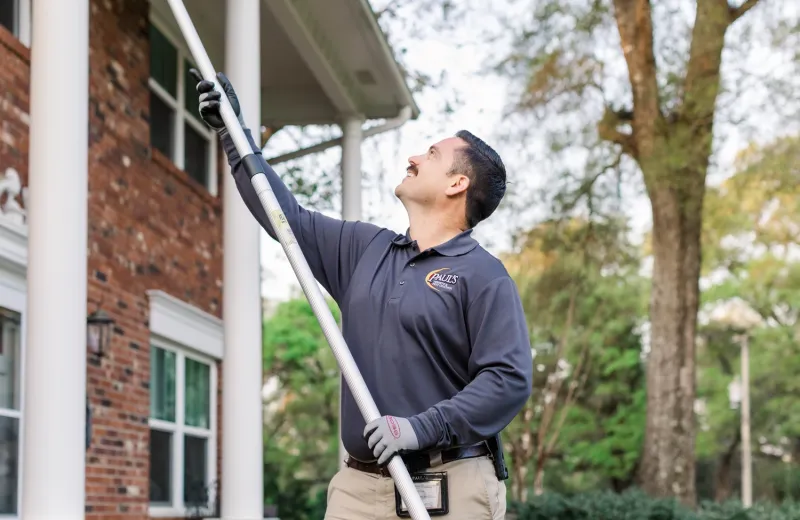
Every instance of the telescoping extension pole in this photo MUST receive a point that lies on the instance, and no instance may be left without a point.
(329, 326)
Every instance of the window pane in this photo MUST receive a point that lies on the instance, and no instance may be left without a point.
(162, 384)
(163, 62)
(194, 471)
(10, 334)
(191, 97)
(162, 121)
(160, 467)
(8, 16)
(196, 158)
(198, 394)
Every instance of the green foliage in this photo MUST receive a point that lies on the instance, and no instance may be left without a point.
(635, 505)
(751, 224)
(301, 430)
(584, 303)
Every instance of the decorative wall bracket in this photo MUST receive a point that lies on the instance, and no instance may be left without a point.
(11, 188)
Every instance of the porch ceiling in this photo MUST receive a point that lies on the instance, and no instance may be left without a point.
(320, 59)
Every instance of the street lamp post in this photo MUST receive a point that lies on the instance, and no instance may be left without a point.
(747, 465)
(740, 319)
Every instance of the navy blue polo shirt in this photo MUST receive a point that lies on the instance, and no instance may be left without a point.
(439, 335)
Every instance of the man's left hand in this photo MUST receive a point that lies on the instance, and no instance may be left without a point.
(389, 435)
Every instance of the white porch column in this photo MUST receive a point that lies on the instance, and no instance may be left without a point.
(242, 424)
(352, 136)
(54, 399)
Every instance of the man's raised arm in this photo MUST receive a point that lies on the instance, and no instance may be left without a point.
(332, 247)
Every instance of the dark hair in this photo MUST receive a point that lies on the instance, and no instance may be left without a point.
(487, 177)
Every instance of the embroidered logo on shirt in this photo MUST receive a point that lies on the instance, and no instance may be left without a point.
(437, 279)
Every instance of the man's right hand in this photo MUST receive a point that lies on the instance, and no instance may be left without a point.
(210, 100)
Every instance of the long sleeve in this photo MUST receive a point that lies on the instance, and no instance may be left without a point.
(332, 247)
(500, 369)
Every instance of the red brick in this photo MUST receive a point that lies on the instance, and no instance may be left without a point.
(150, 227)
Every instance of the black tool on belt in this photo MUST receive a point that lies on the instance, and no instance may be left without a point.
(496, 450)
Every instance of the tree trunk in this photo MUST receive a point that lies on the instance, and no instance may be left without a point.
(668, 457)
(673, 153)
(519, 489)
(538, 479)
(521, 455)
(722, 473)
(519, 464)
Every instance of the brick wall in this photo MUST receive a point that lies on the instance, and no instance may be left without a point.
(150, 227)
(14, 113)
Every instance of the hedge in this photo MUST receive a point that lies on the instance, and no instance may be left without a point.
(635, 505)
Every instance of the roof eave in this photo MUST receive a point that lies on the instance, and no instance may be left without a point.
(307, 35)
(397, 73)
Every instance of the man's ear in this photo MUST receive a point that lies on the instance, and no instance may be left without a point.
(457, 184)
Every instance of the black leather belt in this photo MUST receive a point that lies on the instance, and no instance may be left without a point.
(422, 461)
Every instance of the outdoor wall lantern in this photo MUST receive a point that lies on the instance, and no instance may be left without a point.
(99, 328)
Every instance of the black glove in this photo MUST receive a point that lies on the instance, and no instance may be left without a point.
(210, 100)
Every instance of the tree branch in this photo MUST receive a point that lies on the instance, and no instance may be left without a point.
(390, 10)
(553, 385)
(608, 129)
(701, 84)
(635, 25)
(579, 379)
(738, 12)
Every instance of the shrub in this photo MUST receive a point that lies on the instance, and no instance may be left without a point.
(635, 505)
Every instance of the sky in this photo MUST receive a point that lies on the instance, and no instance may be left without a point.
(484, 97)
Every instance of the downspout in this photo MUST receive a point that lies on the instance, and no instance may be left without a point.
(403, 116)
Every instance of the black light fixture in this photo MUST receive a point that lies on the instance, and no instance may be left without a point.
(99, 329)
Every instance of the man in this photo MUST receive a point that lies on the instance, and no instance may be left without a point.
(433, 321)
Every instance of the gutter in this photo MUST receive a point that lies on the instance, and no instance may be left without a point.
(403, 116)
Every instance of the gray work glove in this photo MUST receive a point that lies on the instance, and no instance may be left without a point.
(210, 100)
(390, 435)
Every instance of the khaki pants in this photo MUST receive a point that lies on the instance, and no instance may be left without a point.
(473, 489)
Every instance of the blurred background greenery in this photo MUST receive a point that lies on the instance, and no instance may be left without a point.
(609, 103)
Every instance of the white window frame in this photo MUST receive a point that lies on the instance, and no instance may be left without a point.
(22, 24)
(181, 114)
(190, 333)
(13, 296)
(178, 429)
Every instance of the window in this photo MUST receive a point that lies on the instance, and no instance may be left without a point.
(176, 129)
(182, 430)
(15, 16)
(10, 346)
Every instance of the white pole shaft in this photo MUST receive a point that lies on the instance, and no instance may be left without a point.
(747, 467)
(298, 262)
(242, 424)
(53, 425)
(352, 138)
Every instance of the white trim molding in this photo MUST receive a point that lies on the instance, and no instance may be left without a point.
(185, 324)
(13, 247)
(13, 224)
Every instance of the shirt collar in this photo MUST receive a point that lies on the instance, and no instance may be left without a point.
(460, 244)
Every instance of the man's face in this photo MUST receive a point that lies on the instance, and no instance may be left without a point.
(427, 180)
